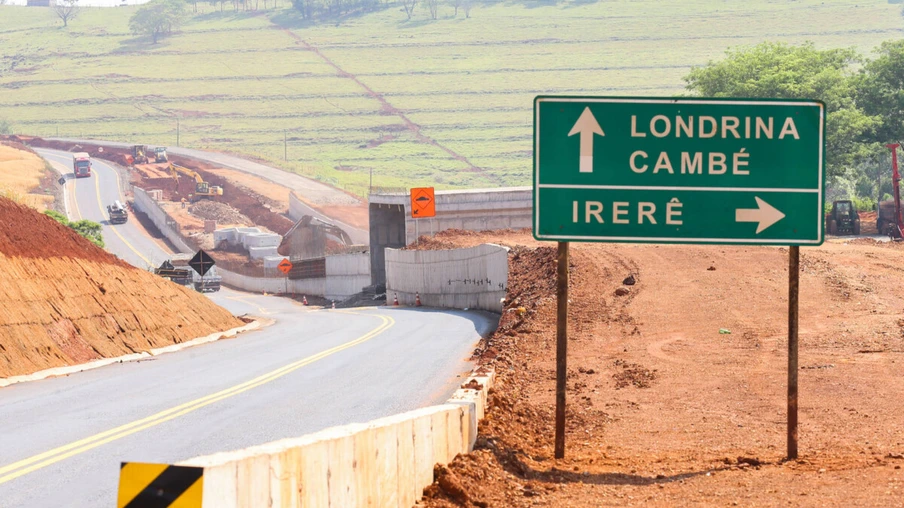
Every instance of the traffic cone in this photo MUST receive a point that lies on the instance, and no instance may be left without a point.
(417, 299)
(304, 300)
(334, 304)
(395, 300)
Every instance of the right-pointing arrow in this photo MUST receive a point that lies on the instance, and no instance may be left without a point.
(765, 214)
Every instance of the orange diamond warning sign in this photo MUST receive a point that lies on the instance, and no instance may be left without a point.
(285, 266)
(423, 203)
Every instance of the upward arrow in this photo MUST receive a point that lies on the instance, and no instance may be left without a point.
(587, 126)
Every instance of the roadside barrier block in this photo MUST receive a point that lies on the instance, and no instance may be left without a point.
(384, 463)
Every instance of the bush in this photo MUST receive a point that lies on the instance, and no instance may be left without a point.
(88, 229)
(864, 204)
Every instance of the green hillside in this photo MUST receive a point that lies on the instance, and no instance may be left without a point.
(443, 102)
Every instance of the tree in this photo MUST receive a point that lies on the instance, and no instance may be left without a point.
(433, 7)
(409, 6)
(466, 5)
(455, 5)
(86, 228)
(65, 10)
(881, 91)
(158, 18)
(776, 70)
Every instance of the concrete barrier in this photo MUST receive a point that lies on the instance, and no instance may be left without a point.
(382, 463)
(346, 274)
(474, 278)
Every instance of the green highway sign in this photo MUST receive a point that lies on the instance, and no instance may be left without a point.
(669, 170)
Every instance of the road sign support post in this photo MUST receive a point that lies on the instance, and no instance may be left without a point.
(793, 293)
(561, 346)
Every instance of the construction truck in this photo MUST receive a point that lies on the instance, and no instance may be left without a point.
(118, 213)
(81, 164)
(139, 154)
(890, 221)
(179, 272)
(843, 219)
(160, 155)
(202, 189)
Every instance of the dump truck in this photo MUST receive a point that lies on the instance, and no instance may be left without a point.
(185, 275)
(843, 219)
(118, 213)
(81, 164)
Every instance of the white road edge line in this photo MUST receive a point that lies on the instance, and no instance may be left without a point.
(73, 369)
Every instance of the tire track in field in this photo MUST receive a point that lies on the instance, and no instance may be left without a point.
(413, 127)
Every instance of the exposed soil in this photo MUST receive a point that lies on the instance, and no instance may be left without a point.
(67, 301)
(220, 212)
(663, 409)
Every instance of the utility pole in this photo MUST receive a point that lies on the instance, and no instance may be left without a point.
(285, 145)
(177, 131)
(370, 186)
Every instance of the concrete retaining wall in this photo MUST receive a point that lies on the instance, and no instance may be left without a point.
(346, 274)
(147, 205)
(472, 210)
(474, 278)
(382, 463)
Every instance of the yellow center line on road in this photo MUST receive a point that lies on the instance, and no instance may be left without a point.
(100, 205)
(41, 460)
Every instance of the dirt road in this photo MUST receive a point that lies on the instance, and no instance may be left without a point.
(665, 410)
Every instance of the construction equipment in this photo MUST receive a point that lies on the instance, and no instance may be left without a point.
(160, 154)
(181, 275)
(326, 227)
(208, 283)
(81, 164)
(118, 213)
(139, 154)
(843, 219)
(202, 188)
(889, 221)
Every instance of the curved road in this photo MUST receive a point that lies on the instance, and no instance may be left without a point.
(62, 439)
(312, 190)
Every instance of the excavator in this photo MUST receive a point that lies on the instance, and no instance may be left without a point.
(326, 227)
(889, 221)
(202, 188)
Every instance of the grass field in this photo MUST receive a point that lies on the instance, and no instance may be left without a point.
(20, 178)
(443, 102)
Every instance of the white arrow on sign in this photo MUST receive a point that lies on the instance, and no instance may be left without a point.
(587, 126)
(765, 214)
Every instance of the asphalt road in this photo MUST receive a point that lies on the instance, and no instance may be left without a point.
(312, 190)
(62, 439)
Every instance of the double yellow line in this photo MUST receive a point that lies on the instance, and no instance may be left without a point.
(41, 460)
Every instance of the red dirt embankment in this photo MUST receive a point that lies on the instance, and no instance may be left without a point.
(64, 301)
(663, 409)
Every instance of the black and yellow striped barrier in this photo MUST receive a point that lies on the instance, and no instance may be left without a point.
(159, 486)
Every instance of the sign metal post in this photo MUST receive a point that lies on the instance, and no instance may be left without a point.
(678, 170)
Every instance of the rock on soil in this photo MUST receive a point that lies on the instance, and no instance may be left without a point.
(220, 212)
(72, 302)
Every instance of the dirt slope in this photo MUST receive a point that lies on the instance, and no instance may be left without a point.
(64, 301)
(666, 411)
